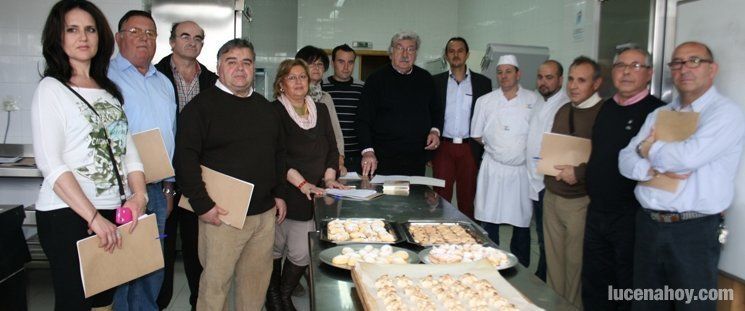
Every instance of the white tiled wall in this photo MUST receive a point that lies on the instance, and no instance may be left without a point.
(324, 24)
(551, 23)
(21, 63)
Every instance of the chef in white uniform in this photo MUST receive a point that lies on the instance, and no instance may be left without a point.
(501, 120)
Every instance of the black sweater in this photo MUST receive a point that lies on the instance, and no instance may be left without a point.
(310, 152)
(240, 137)
(614, 127)
(397, 111)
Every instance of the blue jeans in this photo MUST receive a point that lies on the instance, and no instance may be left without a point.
(142, 293)
(519, 244)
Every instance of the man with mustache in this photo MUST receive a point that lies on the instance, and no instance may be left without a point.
(565, 201)
(189, 78)
(608, 250)
(398, 119)
(457, 160)
(677, 233)
(149, 102)
(549, 80)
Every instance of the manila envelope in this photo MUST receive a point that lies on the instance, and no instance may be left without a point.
(153, 154)
(559, 149)
(230, 193)
(671, 126)
(140, 254)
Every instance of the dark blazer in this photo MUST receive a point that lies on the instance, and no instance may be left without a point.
(480, 85)
(207, 78)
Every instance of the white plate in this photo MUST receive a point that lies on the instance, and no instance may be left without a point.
(511, 259)
(327, 255)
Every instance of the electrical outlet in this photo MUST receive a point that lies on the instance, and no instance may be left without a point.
(10, 104)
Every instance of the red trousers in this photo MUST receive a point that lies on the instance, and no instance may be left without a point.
(455, 164)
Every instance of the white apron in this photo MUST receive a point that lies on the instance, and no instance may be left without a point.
(502, 192)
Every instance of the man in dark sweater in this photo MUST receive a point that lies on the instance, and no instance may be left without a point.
(399, 120)
(189, 77)
(346, 93)
(236, 131)
(609, 230)
(565, 201)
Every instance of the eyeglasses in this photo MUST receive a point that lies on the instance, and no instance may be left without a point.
(633, 66)
(187, 37)
(693, 62)
(318, 64)
(293, 78)
(138, 32)
(400, 49)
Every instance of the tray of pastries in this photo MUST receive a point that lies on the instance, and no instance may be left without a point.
(428, 233)
(456, 253)
(347, 256)
(359, 230)
(448, 287)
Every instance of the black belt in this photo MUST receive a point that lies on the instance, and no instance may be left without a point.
(670, 217)
(450, 140)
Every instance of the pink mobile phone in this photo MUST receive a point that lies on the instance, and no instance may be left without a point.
(123, 215)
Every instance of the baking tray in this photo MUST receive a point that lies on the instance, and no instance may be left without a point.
(390, 226)
(468, 226)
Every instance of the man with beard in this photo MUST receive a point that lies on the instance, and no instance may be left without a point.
(549, 80)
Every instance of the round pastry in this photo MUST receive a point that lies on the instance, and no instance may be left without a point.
(340, 259)
(401, 254)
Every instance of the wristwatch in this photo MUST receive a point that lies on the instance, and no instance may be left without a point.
(169, 191)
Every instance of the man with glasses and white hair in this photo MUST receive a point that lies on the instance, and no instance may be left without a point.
(677, 233)
(608, 251)
(149, 102)
(399, 120)
(189, 78)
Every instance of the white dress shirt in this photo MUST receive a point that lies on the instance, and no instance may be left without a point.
(458, 107)
(711, 155)
(541, 121)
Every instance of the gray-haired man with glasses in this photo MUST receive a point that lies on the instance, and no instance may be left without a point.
(677, 233)
(398, 119)
(608, 251)
(149, 102)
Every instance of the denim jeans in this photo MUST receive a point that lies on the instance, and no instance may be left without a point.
(519, 244)
(142, 293)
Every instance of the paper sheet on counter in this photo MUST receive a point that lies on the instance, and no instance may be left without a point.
(140, 254)
(414, 180)
(230, 193)
(355, 194)
(351, 176)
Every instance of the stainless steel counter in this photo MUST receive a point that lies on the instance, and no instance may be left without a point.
(21, 169)
(332, 288)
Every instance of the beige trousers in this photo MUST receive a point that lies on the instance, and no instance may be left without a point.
(246, 255)
(564, 233)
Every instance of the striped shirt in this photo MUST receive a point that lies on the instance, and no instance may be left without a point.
(346, 96)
